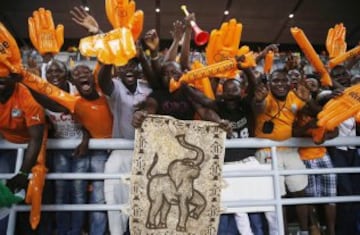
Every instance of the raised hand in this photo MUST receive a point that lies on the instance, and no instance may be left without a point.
(340, 108)
(10, 58)
(260, 93)
(335, 41)
(121, 13)
(178, 30)
(152, 40)
(84, 19)
(43, 35)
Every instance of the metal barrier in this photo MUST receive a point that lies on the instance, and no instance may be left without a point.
(278, 202)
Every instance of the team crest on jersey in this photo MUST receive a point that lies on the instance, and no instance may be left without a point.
(15, 112)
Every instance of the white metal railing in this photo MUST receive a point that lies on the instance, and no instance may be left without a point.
(278, 202)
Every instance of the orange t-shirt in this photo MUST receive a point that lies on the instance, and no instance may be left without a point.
(95, 116)
(284, 113)
(309, 153)
(18, 113)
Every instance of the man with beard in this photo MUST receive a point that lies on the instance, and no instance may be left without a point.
(275, 114)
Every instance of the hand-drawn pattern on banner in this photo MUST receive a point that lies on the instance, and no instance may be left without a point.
(176, 177)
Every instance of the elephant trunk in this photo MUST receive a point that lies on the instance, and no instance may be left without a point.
(199, 158)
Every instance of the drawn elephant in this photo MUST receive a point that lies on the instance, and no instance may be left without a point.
(176, 187)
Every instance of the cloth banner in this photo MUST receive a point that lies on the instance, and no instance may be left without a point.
(176, 177)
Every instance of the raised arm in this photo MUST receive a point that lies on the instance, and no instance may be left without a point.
(185, 49)
(105, 79)
(85, 20)
(176, 33)
(19, 181)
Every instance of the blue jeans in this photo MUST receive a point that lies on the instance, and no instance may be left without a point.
(227, 225)
(75, 192)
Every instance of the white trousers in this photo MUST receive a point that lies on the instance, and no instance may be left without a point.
(116, 191)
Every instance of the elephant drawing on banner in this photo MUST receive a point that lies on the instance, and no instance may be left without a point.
(176, 187)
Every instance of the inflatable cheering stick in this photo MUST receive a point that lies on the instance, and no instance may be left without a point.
(311, 55)
(340, 108)
(344, 57)
(36, 185)
(200, 73)
(10, 62)
(335, 41)
(269, 59)
(43, 35)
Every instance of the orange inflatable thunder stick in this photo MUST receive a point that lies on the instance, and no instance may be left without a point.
(311, 55)
(43, 35)
(269, 59)
(340, 108)
(10, 61)
(200, 73)
(36, 185)
(344, 57)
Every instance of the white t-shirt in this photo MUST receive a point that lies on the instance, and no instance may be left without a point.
(122, 104)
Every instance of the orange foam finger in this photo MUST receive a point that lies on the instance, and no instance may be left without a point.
(310, 54)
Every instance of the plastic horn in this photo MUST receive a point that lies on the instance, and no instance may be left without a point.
(201, 37)
(346, 56)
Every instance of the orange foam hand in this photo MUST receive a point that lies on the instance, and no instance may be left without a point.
(10, 57)
(335, 41)
(43, 35)
(344, 57)
(311, 55)
(121, 13)
(340, 108)
(115, 47)
(224, 43)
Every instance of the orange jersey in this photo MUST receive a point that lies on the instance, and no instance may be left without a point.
(95, 116)
(282, 114)
(309, 153)
(18, 113)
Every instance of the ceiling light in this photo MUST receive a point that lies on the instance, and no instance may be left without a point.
(226, 12)
(86, 8)
(291, 15)
(157, 10)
